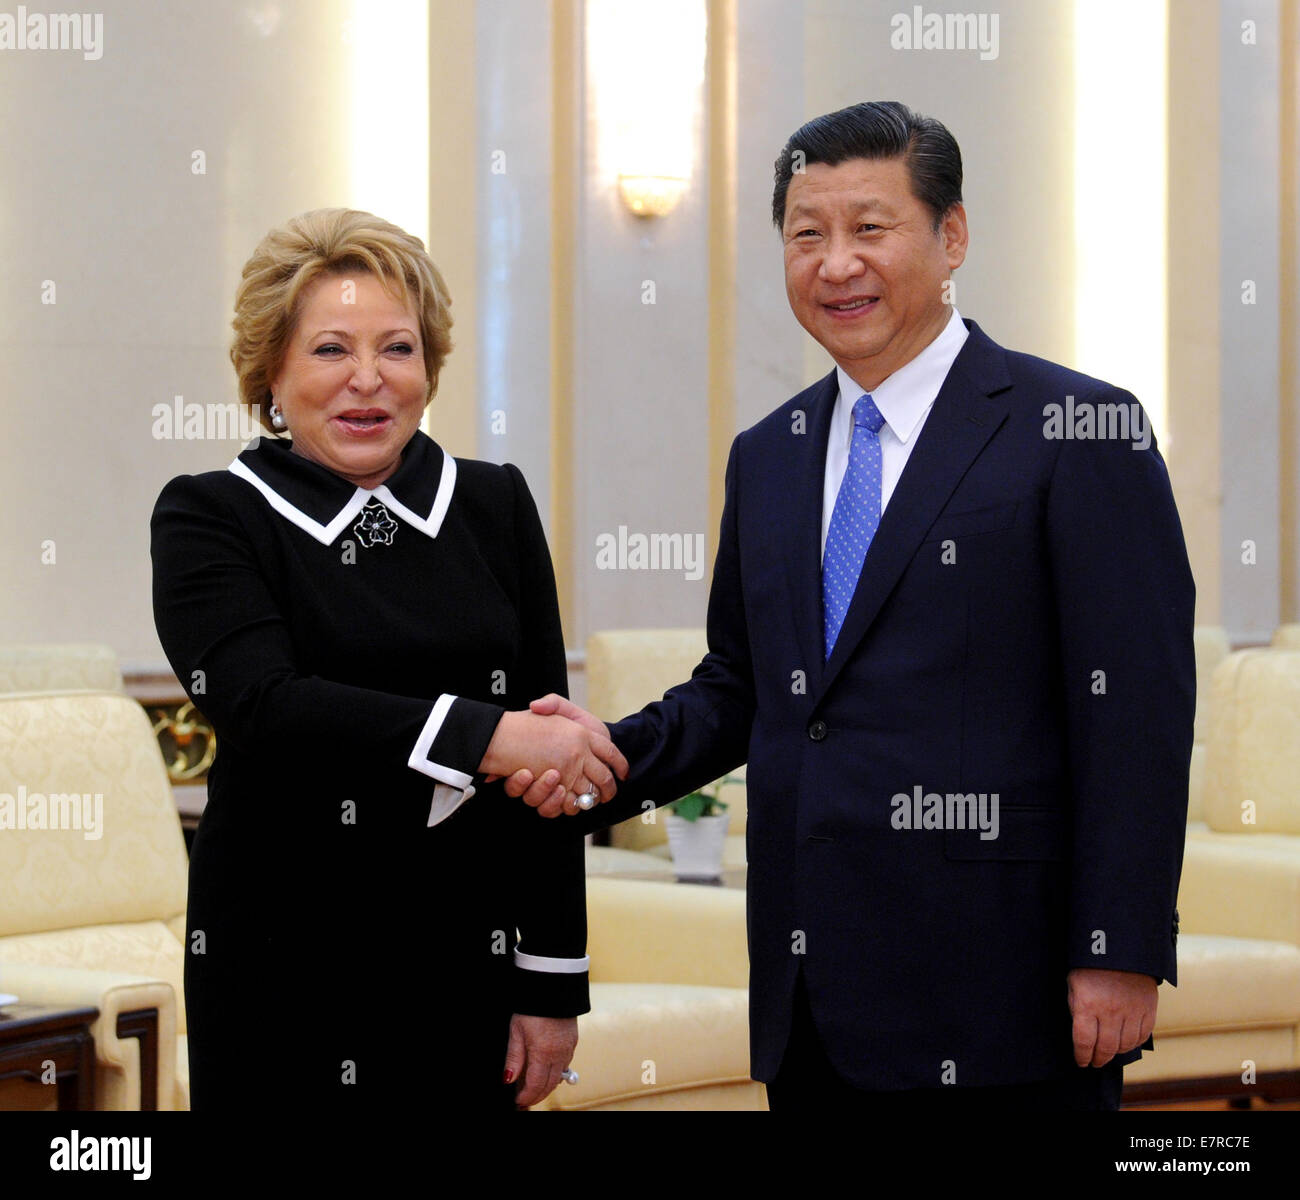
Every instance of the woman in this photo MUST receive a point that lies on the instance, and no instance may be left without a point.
(357, 613)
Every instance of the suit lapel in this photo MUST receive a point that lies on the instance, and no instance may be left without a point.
(802, 550)
(959, 425)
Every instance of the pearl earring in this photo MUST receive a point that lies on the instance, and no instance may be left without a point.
(278, 422)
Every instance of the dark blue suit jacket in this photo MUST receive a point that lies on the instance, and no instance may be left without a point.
(1022, 627)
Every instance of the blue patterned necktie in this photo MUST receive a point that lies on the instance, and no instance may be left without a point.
(854, 519)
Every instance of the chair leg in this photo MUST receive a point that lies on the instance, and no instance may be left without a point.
(142, 1023)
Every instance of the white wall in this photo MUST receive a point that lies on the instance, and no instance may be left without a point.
(98, 195)
(1012, 116)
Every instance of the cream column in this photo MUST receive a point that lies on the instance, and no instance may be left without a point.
(1193, 271)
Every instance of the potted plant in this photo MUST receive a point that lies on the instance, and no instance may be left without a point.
(697, 831)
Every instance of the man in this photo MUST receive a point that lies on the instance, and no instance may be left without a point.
(950, 630)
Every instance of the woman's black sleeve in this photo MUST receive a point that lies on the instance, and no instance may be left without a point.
(229, 644)
(549, 876)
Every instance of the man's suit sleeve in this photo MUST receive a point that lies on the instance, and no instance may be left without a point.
(700, 729)
(1125, 600)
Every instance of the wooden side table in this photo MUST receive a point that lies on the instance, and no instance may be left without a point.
(32, 1034)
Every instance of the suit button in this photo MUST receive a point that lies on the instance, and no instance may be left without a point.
(817, 730)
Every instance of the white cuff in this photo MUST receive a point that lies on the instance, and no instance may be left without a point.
(557, 966)
(419, 759)
(446, 800)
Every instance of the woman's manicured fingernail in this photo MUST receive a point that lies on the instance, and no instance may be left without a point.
(510, 1075)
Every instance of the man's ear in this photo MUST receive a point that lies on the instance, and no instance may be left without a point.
(956, 237)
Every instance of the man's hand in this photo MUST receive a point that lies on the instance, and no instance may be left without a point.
(546, 793)
(538, 1050)
(1113, 1011)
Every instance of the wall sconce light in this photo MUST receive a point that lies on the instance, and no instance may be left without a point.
(651, 195)
(646, 73)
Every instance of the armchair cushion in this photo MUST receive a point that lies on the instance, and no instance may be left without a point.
(1238, 885)
(1253, 758)
(126, 862)
(659, 1045)
(666, 933)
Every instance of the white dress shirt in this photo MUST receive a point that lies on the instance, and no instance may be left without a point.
(904, 400)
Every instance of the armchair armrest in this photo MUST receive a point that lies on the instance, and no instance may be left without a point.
(135, 1034)
(1238, 889)
(644, 932)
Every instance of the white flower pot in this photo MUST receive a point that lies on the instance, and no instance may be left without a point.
(697, 845)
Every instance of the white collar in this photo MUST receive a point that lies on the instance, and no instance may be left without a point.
(904, 397)
(322, 504)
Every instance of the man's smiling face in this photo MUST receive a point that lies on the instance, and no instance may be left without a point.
(864, 265)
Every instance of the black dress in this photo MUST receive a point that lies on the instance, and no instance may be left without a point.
(354, 651)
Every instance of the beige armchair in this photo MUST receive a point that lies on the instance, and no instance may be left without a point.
(627, 669)
(1286, 637)
(669, 1026)
(92, 905)
(1236, 1011)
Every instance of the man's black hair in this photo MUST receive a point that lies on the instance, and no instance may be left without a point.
(877, 129)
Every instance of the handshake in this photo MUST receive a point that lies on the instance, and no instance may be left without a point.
(551, 754)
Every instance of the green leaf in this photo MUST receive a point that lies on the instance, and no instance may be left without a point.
(691, 808)
(698, 804)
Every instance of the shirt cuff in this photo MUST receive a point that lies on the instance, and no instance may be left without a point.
(556, 966)
(446, 800)
(420, 759)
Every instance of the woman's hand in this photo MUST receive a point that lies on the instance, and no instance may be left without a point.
(540, 1048)
(576, 754)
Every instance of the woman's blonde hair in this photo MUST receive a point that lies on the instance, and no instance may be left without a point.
(329, 241)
